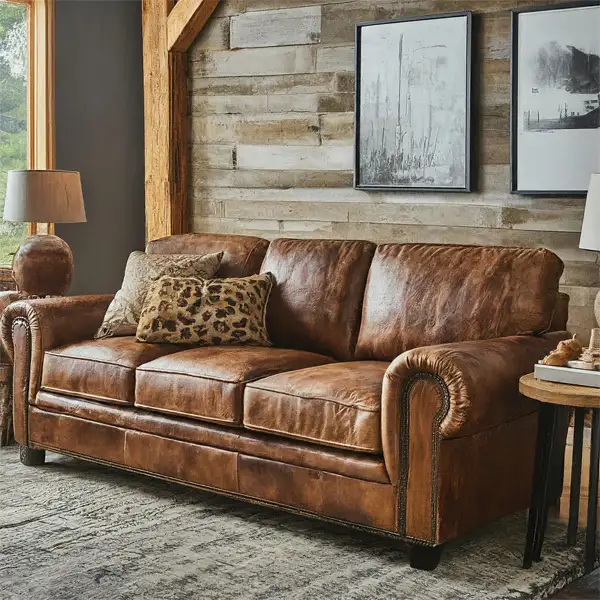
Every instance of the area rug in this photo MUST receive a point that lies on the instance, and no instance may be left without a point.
(71, 530)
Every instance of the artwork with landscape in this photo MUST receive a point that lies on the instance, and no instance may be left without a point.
(413, 103)
(556, 98)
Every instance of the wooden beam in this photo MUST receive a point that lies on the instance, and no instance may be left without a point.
(186, 20)
(165, 110)
(41, 82)
(163, 80)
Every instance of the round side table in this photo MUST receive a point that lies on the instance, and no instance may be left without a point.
(553, 396)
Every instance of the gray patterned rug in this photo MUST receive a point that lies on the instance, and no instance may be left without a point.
(72, 530)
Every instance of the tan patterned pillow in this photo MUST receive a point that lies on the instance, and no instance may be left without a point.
(141, 271)
(182, 310)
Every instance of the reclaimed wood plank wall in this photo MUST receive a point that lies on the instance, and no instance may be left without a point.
(271, 100)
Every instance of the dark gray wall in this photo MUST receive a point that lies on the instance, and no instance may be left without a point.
(99, 132)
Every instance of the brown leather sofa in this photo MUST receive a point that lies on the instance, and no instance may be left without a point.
(389, 401)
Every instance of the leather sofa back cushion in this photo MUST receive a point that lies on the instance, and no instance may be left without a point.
(242, 254)
(317, 295)
(421, 294)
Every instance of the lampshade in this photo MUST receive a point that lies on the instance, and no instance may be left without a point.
(590, 230)
(44, 197)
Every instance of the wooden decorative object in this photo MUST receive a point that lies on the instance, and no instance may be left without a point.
(565, 351)
(168, 30)
(43, 266)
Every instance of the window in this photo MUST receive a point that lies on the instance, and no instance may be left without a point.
(26, 106)
(13, 113)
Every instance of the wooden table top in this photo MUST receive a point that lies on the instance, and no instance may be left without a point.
(559, 393)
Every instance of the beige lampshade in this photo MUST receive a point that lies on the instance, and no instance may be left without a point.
(590, 230)
(44, 197)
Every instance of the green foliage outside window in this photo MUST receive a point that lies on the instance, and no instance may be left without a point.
(13, 113)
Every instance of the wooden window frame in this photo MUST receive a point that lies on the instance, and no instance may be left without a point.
(41, 143)
(169, 28)
(41, 151)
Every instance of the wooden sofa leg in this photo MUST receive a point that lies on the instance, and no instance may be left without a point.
(425, 558)
(31, 457)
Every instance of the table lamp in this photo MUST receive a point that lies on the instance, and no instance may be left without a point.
(590, 230)
(43, 265)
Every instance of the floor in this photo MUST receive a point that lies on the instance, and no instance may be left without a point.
(586, 588)
(74, 530)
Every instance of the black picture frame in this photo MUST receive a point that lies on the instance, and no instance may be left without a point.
(468, 139)
(514, 98)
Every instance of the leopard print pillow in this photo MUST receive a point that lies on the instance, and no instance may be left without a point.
(186, 310)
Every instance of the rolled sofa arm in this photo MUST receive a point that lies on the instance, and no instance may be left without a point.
(30, 327)
(464, 387)
(55, 322)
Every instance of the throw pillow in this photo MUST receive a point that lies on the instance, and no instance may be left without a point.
(193, 311)
(142, 269)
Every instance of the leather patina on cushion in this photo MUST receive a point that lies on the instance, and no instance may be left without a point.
(208, 383)
(426, 294)
(100, 370)
(182, 310)
(142, 269)
(242, 254)
(318, 294)
(335, 405)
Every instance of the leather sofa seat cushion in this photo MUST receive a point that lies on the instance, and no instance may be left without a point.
(317, 295)
(334, 405)
(242, 254)
(208, 383)
(426, 294)
(102, 370)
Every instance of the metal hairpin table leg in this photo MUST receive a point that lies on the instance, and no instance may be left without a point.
(576, 476)
(538, 512)
(592, 513)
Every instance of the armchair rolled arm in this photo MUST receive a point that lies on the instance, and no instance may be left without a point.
(30, 327)
(6, 299)
(477, 383)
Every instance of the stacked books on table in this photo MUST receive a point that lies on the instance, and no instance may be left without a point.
(568, 375)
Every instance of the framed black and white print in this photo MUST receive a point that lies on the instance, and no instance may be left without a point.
(413, 104)
(555, 104)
